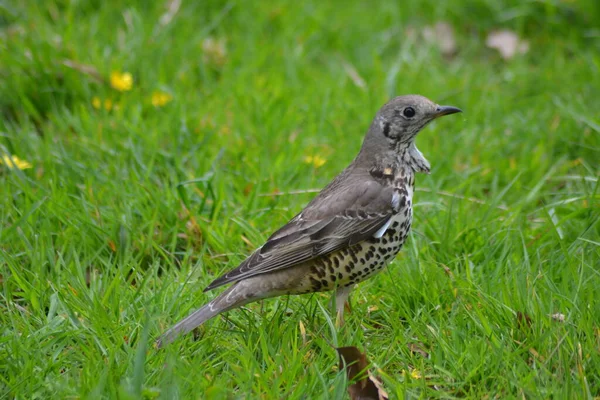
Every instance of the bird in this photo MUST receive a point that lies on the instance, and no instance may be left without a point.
(352, 229)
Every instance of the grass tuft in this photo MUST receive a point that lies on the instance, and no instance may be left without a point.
(166, 141)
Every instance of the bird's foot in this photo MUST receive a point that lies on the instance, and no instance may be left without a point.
(342, 304)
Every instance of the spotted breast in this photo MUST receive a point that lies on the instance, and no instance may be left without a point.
(358, 262)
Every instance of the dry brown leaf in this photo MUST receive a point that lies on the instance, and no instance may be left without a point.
(448, 271)
(507, 43)
(537, 355)
(85, 69)
(194, 232)
(294, 135)
(214, 51)
(442, 35)
(523, 320)
(90, 275)
(418, 348)
(248, 189)
(357, 366)
(172, 9)
(370, 309)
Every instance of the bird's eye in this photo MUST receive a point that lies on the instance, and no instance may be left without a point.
(409, 112)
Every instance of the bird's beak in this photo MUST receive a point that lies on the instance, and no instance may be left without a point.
(446, 110)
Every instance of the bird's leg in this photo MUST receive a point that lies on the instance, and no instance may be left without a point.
(341, 302)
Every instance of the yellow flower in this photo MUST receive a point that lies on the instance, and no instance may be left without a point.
(121, 81)
(159, 99)
(316, 161)
(14, 162)
(414, 373)
(108, 104)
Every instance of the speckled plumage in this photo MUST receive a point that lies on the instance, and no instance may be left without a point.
(352, 229)
(353, 264)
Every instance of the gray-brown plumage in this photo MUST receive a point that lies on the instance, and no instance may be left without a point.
(349, 232)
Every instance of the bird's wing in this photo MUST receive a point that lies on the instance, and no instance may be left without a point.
(343, 214)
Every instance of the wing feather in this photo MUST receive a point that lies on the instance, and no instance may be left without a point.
(339, 217)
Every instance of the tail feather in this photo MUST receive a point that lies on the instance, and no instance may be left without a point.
(233, 297)
(187, 324)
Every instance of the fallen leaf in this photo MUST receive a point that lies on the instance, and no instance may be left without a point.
(172, 9)
(507, 43)
(523, 320)
(418, 348)
(367, 387)
(214, 51)
(90, 275)
(248, 189)
(536, 354)
(448, 271)
(193, 229)
(85, 69)
(441, 35)
(294, 135)
(73, 290)
(560, 317)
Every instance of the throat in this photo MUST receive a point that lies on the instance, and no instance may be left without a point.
(400, 162)
(411, 156)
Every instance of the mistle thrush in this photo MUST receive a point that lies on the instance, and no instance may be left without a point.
(348, 232)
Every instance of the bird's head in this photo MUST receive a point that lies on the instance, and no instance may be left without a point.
(394, 128)
(401, 118)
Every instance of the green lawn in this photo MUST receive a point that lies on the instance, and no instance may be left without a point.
(129, 208)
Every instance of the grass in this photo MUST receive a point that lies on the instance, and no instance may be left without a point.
(128, 213)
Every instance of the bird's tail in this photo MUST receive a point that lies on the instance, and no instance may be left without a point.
(233, 297)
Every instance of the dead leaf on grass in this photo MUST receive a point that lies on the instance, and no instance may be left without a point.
(418, 348)
(172, 9)
(366, 387)
(523, 320)
(85, 69)
(560, 317)
(507, 43)
(248, 189)
(441, 35)
(214, 51)
(448, 271)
